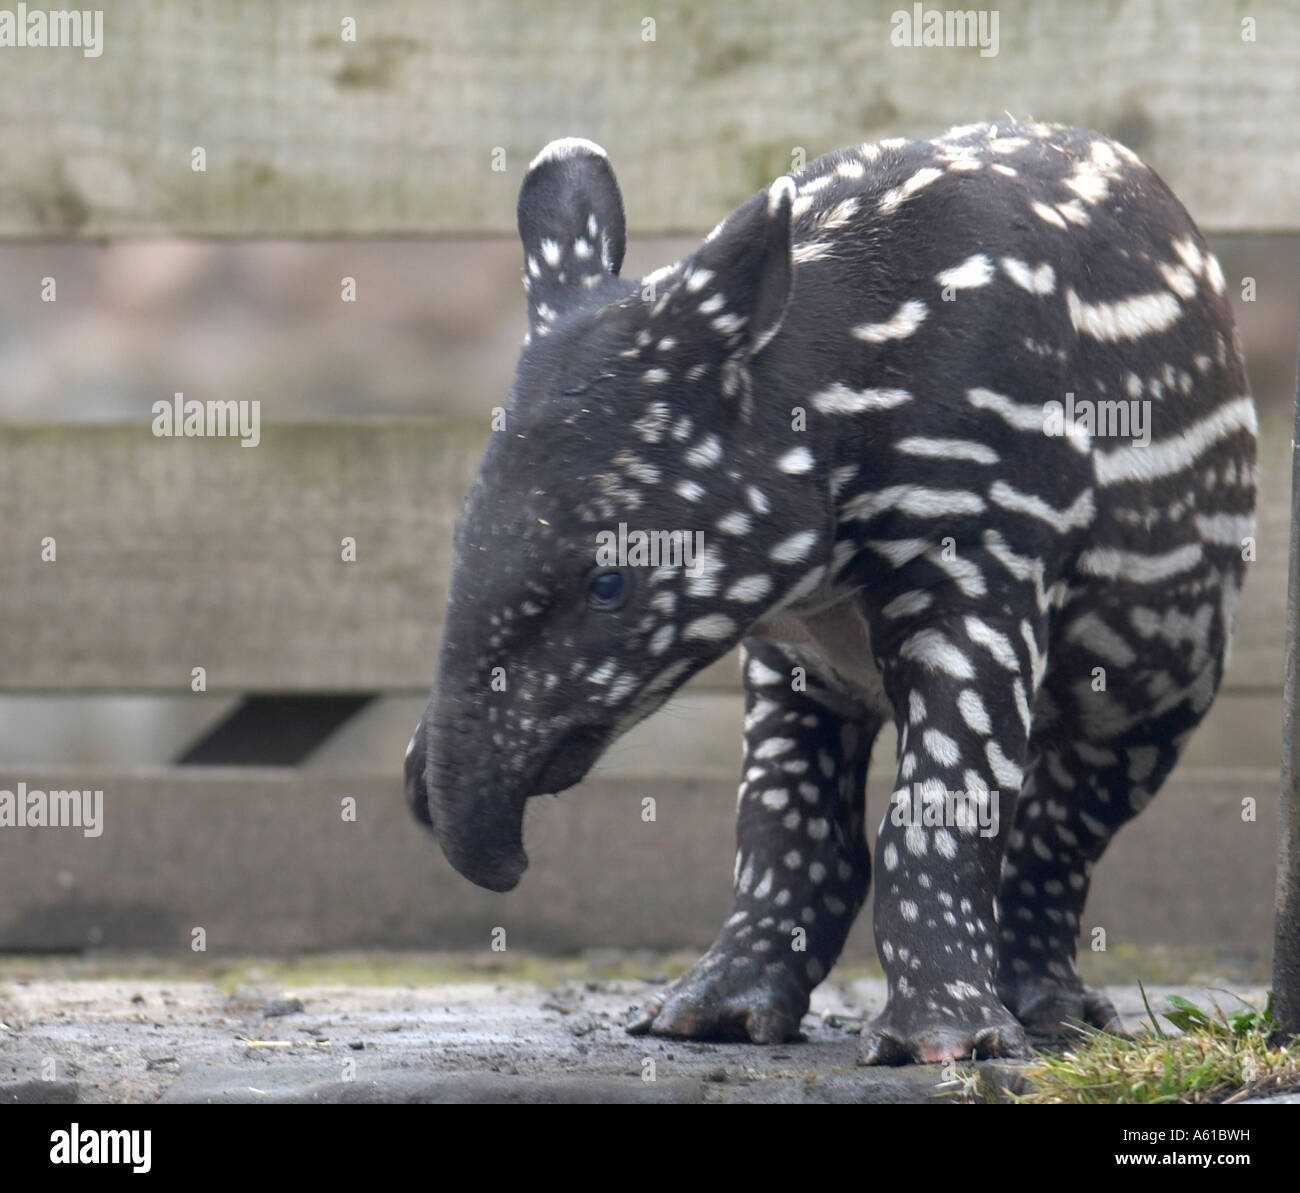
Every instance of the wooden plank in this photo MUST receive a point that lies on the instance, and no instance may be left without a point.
(396, 133)
(697, 736)
(263, 860)
(181, 553)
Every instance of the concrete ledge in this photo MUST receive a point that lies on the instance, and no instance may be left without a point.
(264, 861)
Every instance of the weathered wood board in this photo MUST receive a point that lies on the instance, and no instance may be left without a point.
(180, 553)
(424, 124)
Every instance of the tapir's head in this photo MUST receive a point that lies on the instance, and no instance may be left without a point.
(634, 513)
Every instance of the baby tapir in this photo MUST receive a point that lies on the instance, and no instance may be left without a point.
(964, 432)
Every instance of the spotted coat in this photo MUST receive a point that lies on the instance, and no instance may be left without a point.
(967, 435)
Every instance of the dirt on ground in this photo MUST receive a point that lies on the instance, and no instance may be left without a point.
(347, 1029)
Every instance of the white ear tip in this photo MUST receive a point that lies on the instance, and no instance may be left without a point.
(780, 192)
(567, 147)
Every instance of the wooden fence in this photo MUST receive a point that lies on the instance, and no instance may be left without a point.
(178, 554)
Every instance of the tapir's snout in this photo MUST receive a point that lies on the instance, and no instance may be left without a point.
(476, 811)
(480, 830)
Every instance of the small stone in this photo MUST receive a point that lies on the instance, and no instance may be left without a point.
(281, 1006)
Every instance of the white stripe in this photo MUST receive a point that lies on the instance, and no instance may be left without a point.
(1021, 415)
(997, 644)
(906, 604)
(1079, 515)
(1137, 463)
(1127, 319)
(840, 399)
(891, 199)
(566, 147)
(801, 254)
(932, 649)
(1225, 530)
(947, 449)
(1140, 569)
(901, 324)
(914, 499)
(1090, 632)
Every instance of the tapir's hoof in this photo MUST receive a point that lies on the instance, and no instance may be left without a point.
(979, 1030)
(1046, 1006)
(722, 998)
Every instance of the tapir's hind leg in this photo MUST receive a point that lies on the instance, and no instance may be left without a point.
(1075, 800)
(802, 862)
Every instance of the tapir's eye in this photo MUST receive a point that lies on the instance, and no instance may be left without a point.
(605, 590)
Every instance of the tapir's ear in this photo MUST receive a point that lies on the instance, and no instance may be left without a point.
(743, 272)
(571, 224)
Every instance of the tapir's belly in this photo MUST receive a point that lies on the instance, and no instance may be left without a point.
(837, 641)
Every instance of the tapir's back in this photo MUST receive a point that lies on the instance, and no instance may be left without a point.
(1064, 337)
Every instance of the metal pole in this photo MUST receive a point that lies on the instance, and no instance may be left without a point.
(1286, 929)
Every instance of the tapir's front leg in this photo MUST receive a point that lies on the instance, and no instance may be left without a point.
(802, 862)
(963, 688)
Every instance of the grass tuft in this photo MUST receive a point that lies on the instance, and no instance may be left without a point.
(1218, 1057)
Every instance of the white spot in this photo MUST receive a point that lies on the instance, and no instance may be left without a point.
(795, 548)
(797, 460)
(1179, 280)
(662, 639)
(973, 712)
(972, 273)
(1040, 281)
(706, 453)
(749, 589)
(942, 748)
(1006, 772)
(712, 627)
(1048, 214)
(922, 178)
(782, 191)
(738, 522)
